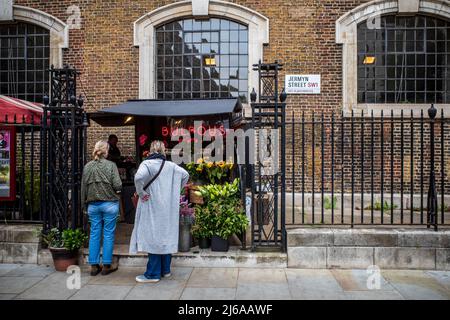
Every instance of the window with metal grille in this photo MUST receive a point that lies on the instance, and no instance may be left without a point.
(406, 60)
(24, 61)
(202, 59)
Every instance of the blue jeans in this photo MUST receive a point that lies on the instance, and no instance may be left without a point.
(158, 265)
(103, 217)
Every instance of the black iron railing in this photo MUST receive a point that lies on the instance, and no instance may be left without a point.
(367, 170)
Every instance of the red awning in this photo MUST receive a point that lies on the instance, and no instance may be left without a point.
(24, 111)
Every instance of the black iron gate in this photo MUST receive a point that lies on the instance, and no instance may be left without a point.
(63, 151)
(268, 170)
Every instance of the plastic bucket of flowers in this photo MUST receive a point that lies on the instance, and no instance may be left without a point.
(186, 222)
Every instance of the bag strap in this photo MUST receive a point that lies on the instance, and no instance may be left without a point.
(156, 175)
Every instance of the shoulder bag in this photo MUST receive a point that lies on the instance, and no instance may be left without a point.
(135, 197)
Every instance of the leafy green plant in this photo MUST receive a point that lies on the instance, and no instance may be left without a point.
(386, 206)
(204, 222)
(35, 197)
(53, 238)
(222, 214)
(328, 204)
(214, 192)
(69, 239)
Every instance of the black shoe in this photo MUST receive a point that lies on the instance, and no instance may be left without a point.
(95, 270)
(107, 269)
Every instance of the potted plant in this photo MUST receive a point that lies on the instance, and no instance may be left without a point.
(227, 210)
(203, 227)
(64, 246)
(186, 221)
(230, 219)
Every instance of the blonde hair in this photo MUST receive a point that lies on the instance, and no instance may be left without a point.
(158, 146)
(100, 150)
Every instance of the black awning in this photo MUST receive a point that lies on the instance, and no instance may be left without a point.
(122, 114)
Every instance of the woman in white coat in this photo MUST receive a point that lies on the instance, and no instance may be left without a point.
(157, 215)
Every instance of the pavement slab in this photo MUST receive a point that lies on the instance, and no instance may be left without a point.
(30, 270)
(17, 284)
(443, 277)
(373, 295)
(209, 294)
(53, 287)
(101, 292)
(263, 291)
(416, 285)
(213, 278)
(7, 296)
(121, 277)
(313, 284)
(162, 290)
(277, 276)
(360, 280)
(5, 268)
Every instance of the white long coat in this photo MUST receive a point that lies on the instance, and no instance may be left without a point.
(156, 225)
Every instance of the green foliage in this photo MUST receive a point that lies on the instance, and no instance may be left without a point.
(386, 206)
(222, 214)
(204, 222)
(53, 238)
(215, 192)
(69, 239)
(328, 204)
(36, 195)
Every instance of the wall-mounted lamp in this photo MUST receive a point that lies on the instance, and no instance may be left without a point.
(369, 60)
(128, 119)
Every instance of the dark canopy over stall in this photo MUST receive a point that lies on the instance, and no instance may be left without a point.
(123, 114)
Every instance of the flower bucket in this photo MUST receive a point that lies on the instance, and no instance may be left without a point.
(185, 237)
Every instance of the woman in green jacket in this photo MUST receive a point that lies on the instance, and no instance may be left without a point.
(100, 193)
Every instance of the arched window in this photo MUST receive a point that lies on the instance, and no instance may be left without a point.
(202, 59)
(406, 60)
(24, 61)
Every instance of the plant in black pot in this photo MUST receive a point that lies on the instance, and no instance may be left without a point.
(202, 230)
(186, 221)
(64, 246)
(228, 213)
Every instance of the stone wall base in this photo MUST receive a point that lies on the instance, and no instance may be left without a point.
(360, 248)
(19, 243)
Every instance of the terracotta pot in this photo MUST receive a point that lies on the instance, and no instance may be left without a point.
(63, 258)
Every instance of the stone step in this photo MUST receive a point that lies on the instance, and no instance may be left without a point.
(235, 257)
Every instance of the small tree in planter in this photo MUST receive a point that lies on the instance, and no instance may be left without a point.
(64, 246)
(227, 211)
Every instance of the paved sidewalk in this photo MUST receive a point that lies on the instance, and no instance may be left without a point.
(41, 282)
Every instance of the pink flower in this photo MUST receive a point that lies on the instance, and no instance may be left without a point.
(142, 139)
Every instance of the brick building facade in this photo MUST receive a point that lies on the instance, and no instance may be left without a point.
(108, 42)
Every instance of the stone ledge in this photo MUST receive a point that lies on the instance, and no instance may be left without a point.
(328, 237)
(235, 258)
(349, 257)
(19, 252)
(20, 233)
(310, 237)
(405, 258)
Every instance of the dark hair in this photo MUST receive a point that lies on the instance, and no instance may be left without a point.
(112, 136)
(3, 135)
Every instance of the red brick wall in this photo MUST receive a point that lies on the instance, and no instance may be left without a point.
(302, 36)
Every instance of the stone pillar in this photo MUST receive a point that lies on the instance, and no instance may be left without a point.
(6, 10)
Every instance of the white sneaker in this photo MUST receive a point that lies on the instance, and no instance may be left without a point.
(167, 275)
(143, 279)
